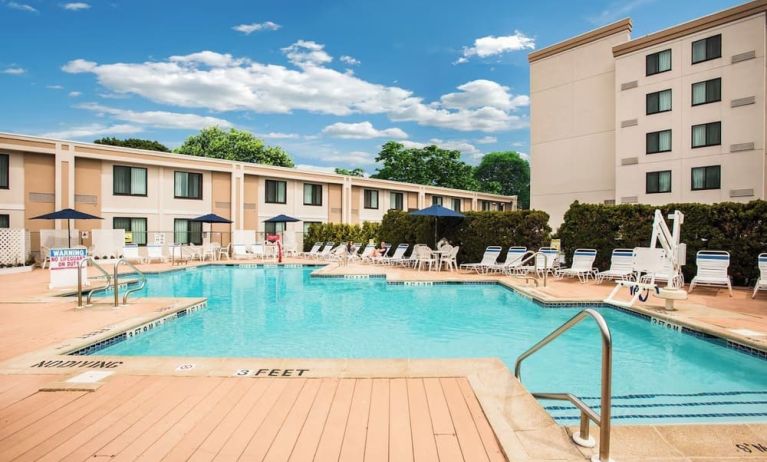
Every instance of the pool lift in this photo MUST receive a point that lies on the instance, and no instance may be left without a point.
(667, 259)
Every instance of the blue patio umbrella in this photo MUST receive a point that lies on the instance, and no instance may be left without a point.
(212, 218)
(281, 219)
(437, 211)
(67, 214)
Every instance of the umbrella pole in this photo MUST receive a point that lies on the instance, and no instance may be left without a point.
(69, 234)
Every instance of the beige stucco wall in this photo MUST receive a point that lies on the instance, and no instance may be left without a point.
(572, 126)
(293, 206)
(743, 124)
(12, 199)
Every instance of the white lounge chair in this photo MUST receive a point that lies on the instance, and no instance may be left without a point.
(712, 269)
(240, 251)
(257, 250)
(313, 251)
(489, 258)
(325, 252)
(130, 253)
(154, 252)
(366, 252)
(761, 283)
(582, 267)
(621, 266)
(397, 257)
(514, 257)
(665, 274)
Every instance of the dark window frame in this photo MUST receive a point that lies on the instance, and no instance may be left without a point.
(658, 150)
(146, 223)
(199, 197)
(130, 169)
(708, 144)
(705, 178)
(367, 199)
(189, 231)
(657, 63)
(437, 200)
(271, 227)
(401, 196)
(707, 101)
(459, 202)
(5, 180)
(316, 198)
(718, 37)
(659, 111)
(275, 199)
(5, 221)
(657, 174)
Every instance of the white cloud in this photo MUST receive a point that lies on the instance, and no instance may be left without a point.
(362, 130)
(487, 140)
(316, 168)
(14, 70)
(21, 7)
(220, 82)
(278, 135)
(348, 60)
(248, 29)
(157, 119)
(307, 53)
(93, 130)
(74, 94)
(76, 6)
(617, 10)
(492, 45)
(54, 87)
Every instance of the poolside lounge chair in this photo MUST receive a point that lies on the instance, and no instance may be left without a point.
(154, 252)
(621, 266)
(130, 253)
(240, 251)
(583, 265)
(313, 251)
(325, 252)
(366, 252)
(546, 261)
(397, 257)
(665, 274)
(257, 250)
(712, 269)
(489, 258)
(514, 258)
(761, 283)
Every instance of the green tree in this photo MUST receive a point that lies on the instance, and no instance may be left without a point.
(353, 172)
(429, 165)
(234, 145)
(505, 173)
(135, 143)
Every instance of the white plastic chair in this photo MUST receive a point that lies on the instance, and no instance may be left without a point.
(712, 269)
(489, 258)
(761, 283)
(621, 266)
(424, 256)
(154, 252)
(131, 254)
(450, 261)
(514, 257)
(399, 255)
(582, 267)
(313, 251)
(240, 251)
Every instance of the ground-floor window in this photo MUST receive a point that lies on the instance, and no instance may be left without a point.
(5, 221)
(187, 231)
(308, 224)
(457, 205)
(436, 200)
(396, 201)
(135, 226)
(273, 228)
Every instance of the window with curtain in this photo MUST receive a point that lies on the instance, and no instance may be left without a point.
(273, 228)
(276, 192)
(436, 200)
(457, 205)
(308, 224)
(187, 231)
(187, 185)
(706, 92)
(136, 226)
(658, 62)
(709, 134)
(396, 201)
(658, 142)
(5, 221)
(5, 171)
(485, 205)
(370, 198)
(707, 49)
(312, 194)
(709, 177)
(660, 101)
(658, 182)
(128, 181)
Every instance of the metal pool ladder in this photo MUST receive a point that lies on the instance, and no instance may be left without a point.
(128, 291)
(582, 437)
(80, 266)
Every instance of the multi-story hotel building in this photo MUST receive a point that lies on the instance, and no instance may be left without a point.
(674, 116)
(149, 192)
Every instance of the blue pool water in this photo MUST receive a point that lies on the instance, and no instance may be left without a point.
(659, 374)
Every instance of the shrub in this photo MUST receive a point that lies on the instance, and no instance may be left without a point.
(340, 232)
(739, 228)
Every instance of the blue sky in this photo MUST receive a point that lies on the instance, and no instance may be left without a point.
(329, 81)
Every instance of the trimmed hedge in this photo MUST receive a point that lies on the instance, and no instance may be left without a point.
(338, 232)
(478, 230)
(738, 228)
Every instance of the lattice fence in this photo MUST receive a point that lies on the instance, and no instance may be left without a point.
(15, 246)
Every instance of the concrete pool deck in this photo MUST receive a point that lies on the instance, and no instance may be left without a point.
(473, 410)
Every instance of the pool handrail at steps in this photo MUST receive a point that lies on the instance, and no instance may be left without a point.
(128, 290)
(533, 255)
(602, 420)
(80, 266)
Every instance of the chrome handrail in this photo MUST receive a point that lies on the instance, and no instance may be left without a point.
(127, 291)
(602, 420)
(80, 265)
(526, 258)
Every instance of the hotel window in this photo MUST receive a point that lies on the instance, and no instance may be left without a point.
(187, 231)
(396, 201)
(658, 182)
(128, 181)
(707, 49)
(660, 101)
(312, 194)
(709, 134)
(658, 62)
(276, 192)
(4, 171)
(370, 198)
(436, 200)
(706, 92)
(308, 224)
(485, 205)
(5, 221)
(188, 185)
(136, 226)
(274, 228)
(659, 142)
(706, 177)
(457, 205)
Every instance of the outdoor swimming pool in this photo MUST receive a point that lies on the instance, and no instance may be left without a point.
(659, 374)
